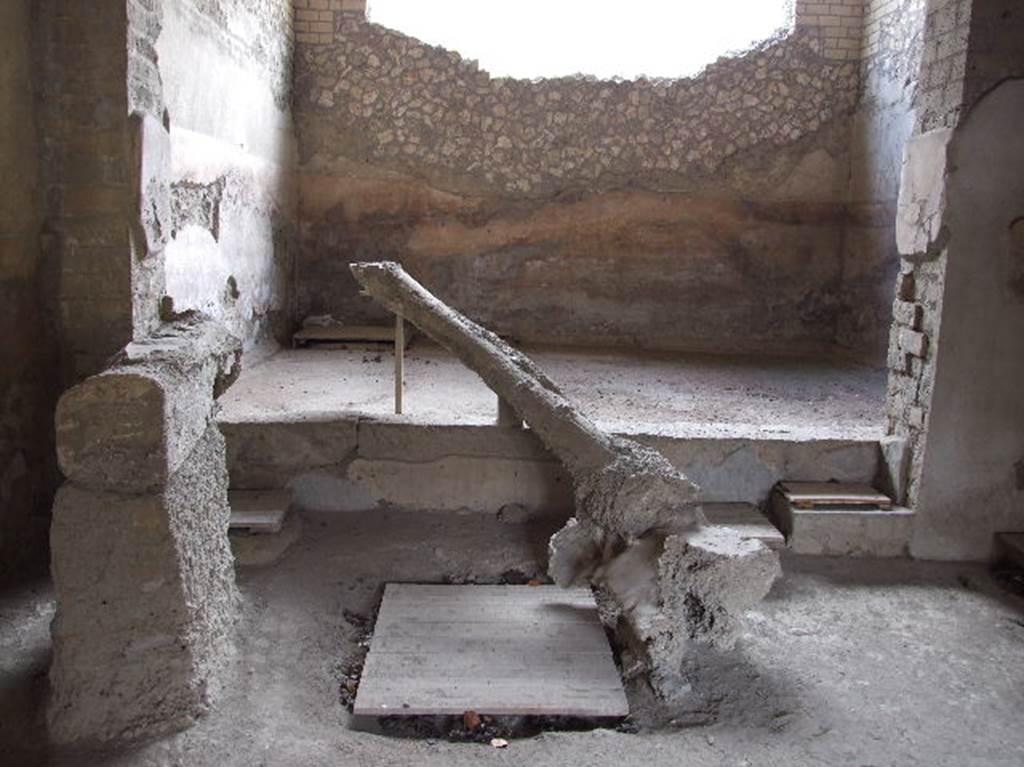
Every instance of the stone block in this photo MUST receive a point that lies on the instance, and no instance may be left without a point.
(151, 147)
(129, 428)
(262, 455)
(908, 314)
(913, 342)
(906, 285)
(922, 202)
(145, 603)
(851, 533)
(898, 361)
(896, 467)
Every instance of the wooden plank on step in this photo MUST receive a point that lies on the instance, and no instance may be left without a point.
(258, 511)
(350, 336)
(809, 495)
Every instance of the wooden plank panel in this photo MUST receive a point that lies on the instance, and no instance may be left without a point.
(499, 650)
(351, 336)
(473, 637)
(810, 494)
(258, 511)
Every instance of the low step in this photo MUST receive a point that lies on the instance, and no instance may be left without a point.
(835, 519)
(258, 511)
(366, 337)
(1010, 549)
(745, 518)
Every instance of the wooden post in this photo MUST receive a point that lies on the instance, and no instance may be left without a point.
(399, 362)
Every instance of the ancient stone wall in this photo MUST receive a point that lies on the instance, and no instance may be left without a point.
(702, 213)
(937, 100)
(231, 167)
(86, 173)
(881, 125)
(28, 350)
(955, 298)
(838, 25)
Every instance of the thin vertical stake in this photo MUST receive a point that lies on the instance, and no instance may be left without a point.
(399, 362)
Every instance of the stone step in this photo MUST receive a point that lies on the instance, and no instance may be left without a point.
(258, 511)
(745, 518)
(833, 530)
(353, 462)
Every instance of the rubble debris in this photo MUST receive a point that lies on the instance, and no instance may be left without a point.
(638, 529)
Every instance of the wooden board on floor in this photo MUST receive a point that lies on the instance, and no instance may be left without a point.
(498, 650)
(747, 520)
(258, 511)
(350, 336)
(809, 495)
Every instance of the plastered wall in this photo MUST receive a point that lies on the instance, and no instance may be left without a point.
(233, 198)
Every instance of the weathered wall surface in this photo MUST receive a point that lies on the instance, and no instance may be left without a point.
(972, 468)
(30, 367)
(881, 125)
(86, 165)
(224, 69)
(954, 349)
(937, 101)
(705, 213)
(960, 263)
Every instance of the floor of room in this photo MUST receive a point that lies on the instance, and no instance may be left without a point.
(848, 662)
(625, 392)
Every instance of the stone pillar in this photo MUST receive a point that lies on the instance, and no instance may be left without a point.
(140, 558)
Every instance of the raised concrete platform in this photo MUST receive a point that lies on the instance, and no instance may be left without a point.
(320, 423)
(497, 650)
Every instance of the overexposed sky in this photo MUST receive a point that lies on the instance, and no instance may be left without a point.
(606, 38)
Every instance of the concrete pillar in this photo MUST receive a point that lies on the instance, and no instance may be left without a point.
(141, 565)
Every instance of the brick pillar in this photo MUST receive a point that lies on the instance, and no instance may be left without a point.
(839, 24)
(317, 20)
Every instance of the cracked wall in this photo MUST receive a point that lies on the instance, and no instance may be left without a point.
(703, 213)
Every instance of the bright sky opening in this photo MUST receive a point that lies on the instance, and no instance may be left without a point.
(605, 38)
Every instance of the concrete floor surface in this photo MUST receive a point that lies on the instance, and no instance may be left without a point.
(639, 392)
(848, 662)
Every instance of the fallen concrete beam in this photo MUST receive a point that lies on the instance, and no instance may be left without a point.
(621, 486)
(637, 530)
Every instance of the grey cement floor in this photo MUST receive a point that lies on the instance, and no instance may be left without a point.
(624, 392)
(846, 663)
